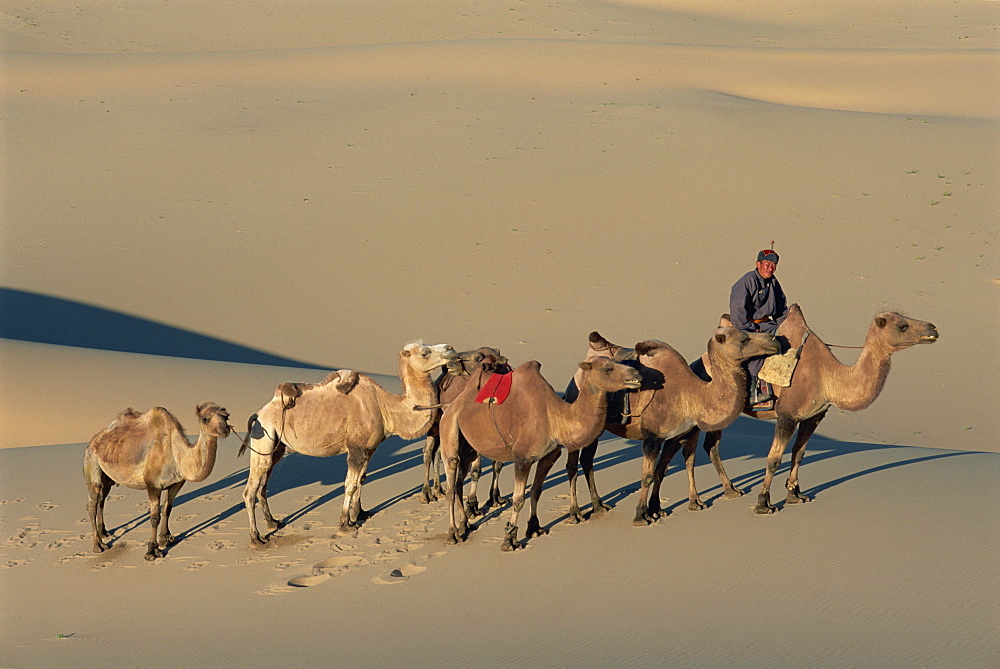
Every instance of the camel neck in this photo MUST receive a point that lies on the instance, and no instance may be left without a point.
(398, 411)
(722, 397)
(581, 422)
(854, 387)
(196, 461)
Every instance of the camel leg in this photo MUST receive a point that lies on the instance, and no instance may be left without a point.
(358, 514)
(98, 486)
(782, 433)
(521, 470)
(541, 471)
(689, 446)
(496, 499)
(575, 515)
(650, 450)
(153, 550)
(670, 448)
(471, 499)
(711, 446)
(263, 456)
(352, 484)
(587, 463)
(806, 429)
(428, 493)
(166, 538)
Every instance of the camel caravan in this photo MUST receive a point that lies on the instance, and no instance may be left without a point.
(478, 407)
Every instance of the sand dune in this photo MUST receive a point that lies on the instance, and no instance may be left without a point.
(329, 181)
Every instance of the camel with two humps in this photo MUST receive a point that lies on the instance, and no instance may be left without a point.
(347, 413)
(528, 429)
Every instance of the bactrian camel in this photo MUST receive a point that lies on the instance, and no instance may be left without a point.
(671, 409)
(527, 429)
(347, 413)
(474, 367)
(148, 451)
(821, 381)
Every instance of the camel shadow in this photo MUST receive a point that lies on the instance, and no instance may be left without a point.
(746, 439)
(296, 471)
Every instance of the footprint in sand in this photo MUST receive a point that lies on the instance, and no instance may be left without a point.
(308, 581)
(311, 525)
(47, 506)
(220, 545)
(75, 556)
(197, 565)
(186, 517)
(115, 498)
(341, 547)
(400, 574)
(276, 589)
(338, 563)
(216, 497)
(100, 565)
(10, 564)
(287, 565)
(12, 501)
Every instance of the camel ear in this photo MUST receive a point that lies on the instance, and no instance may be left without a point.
(880, 322)
(348, 379)
(586, 366)
(479, 357)
(720, 337)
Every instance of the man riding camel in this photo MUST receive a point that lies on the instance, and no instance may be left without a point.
(757, 304)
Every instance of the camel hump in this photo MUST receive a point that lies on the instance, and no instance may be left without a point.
(650, 347)
(530, 366)
(127, 414)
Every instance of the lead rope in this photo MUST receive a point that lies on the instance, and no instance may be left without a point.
(490, 402)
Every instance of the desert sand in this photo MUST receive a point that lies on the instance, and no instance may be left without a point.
(325, 182)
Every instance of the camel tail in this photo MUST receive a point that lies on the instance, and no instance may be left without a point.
(246, 440)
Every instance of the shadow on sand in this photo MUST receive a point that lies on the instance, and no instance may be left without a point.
(52, 320)
(746, 439)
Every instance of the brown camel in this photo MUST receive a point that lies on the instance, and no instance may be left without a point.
(347, 413)
(821, 381)
(474, 367)
(672, 407)
(528, 428)
(148, 451)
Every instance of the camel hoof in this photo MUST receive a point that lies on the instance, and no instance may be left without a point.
(641, 521)
(734, 493)
(275, 524)
(509, 545)
(599, 509)
(575, 517)
(696, 505)
(764, 509)
(535, 530)
(796, 497)
(498, 502)
(100, 547)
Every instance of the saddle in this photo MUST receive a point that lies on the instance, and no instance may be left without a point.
(496, 389)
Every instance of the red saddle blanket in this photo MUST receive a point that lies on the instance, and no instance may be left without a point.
(496, 389)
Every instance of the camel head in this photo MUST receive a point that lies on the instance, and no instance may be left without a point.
(609, 376)
(737, 345)
(425, 359)
(484, 358)
(214, 419)
(899, 332)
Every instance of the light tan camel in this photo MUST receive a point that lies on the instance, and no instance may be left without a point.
(528, 429)
(821, 381)
(474, 367)
(672, 407)
(347, 413)
(148, 451)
